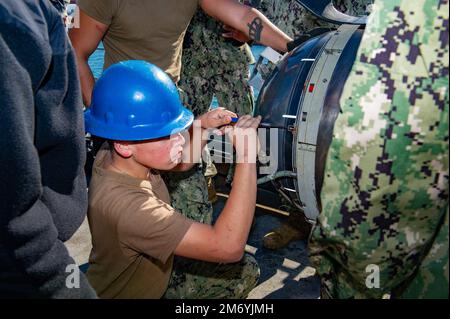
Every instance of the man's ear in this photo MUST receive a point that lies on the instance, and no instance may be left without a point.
(123, 149)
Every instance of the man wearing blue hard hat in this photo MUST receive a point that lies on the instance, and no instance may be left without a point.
(135, 231)
(154, 31)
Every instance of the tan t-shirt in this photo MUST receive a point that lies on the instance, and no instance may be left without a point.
(134, 234)
(150, 30)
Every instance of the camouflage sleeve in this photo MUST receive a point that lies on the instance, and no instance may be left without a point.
(386, 182)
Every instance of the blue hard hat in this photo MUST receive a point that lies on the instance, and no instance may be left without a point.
(135, 101)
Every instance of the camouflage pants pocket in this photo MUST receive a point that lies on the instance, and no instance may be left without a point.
(192, 279)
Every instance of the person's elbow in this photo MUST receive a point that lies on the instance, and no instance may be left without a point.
(232, 253)
(235, 257)
(212, 244)
(230, 13)
(81, 53)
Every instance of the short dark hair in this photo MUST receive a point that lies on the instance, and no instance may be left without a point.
(110, 144)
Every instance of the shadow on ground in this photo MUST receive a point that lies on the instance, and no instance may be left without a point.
(285, 273)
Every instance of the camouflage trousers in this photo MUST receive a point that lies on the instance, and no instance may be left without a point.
(211, 280)
(383, 228)
(220, 73)
(430, 280)
(203, 78)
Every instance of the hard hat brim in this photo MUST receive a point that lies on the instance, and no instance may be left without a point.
(138, 132)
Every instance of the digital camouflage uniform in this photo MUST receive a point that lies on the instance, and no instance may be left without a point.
(204, 280)
(189, 194)
(385, 193)
(211, 66)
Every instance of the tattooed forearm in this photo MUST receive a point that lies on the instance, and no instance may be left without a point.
(255, 29)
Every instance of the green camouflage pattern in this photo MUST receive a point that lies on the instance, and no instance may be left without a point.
(211, 280)
(385, 193)
(212, 66)
(429, 282)
(189, 194)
